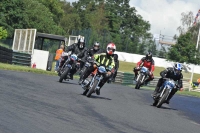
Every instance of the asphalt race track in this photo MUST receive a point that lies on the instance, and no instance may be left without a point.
(36, 103)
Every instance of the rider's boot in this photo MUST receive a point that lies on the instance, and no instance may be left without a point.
(100, 86)
(135, 77)
(155, 93)
(170, 96)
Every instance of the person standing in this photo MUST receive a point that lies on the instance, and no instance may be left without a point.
(58, 55)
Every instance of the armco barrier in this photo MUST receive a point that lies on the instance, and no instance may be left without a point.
(5, 55)
(127, 79)
(23, 59)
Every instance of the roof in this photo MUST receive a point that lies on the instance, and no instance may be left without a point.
(167, 43)
(51, 36)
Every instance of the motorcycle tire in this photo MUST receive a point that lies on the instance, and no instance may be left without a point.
(155, 102)
(64, 74)
(83, 72)
(138, 83)
(93, 88)
(163, 98)
(85, 92)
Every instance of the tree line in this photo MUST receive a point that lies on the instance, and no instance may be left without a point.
(107, 20)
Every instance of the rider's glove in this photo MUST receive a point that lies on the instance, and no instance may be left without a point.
(150, 73)
(113, 70)
(181, 89)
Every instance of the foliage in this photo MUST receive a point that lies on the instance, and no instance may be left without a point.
(107, 20)
(3, 33)
(184, 50)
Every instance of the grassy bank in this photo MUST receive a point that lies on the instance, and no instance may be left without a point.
(25, 69)
(128, 67)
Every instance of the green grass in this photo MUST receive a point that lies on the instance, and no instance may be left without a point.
(124, 66)
(128, 67)
(4, 45)
(25, 69)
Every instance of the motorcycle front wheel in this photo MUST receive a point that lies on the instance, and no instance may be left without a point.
(93, 88)
(138, 83)
(163, 98)
(64, 74)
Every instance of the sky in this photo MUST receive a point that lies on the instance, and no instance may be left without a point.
(163, 15)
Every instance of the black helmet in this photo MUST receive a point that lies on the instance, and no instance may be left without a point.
(81, 42)
(96, 46)
(149, 56)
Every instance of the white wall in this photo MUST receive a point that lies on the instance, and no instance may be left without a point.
(40, 58)
(160, 62)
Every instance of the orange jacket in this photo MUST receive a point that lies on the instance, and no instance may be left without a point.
(58, 54)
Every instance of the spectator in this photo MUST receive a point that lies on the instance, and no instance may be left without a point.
(58, 55)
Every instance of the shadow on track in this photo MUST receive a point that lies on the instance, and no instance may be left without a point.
(68, 82)
(97, 97)
(162, 107)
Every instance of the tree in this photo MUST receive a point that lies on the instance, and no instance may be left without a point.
(186, 20)
(23, 14)
(3, 33)
(184, 50)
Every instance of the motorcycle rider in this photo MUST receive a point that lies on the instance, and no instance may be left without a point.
(105, 59)
(147, 62)
(112, 78)
(80, 50)
(94, 50)
(172, 73)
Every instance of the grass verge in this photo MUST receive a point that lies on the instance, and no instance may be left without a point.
(185, 92)
(123, 66)
(128, 67)
(25, 69)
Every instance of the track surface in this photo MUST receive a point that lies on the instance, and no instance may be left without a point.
(35, 103)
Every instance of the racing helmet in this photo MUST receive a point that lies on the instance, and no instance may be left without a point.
(96, 46)
(110, 48)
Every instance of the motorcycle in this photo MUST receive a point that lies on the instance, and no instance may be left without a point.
(88, 63)
(142, 76)
(92, 85)
(71, 63)
(164, 92)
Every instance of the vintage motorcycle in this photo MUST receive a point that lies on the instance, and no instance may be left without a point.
(164, 92)
(71, 63)
(142, 76)
(88, 63)
(92, 85)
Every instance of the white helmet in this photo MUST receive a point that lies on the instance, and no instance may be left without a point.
(111, 48)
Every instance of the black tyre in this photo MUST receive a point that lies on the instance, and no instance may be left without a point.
(155, 102)
(82, 73)
(163, 98)
(64, 74)
(138, 83)
(93, 88)
(85, 92)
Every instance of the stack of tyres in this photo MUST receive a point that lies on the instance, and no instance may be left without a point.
(127, 78)
(23, 59)
(5, 55)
